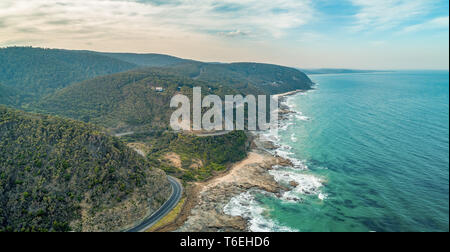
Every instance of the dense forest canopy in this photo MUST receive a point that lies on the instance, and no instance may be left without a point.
(8, 95)
(200, 157)
(247, 78)
(62, 175)
(147, 60)
(33, 73)
(37, 72)
(125, 101)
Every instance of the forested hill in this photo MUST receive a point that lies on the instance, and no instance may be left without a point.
(125, 101)
(37, 72)
(130, 101)
(147, 60)
(116, 91)
(29, 74)
(248, 78)
(7, 95)
(63, 175)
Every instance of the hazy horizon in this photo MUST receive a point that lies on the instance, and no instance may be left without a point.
(348, 34)
(219, 62)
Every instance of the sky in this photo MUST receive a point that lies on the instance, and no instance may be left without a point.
(357, 34)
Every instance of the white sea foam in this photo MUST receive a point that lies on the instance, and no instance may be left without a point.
(284, 151)
(290, 102)
(246, 206)
(270, 135)
(294, 138)
(308, 184)
(285, 126)
(322, 196)
(301, 117)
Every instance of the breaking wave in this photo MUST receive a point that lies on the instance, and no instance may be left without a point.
(246, 206)
(295, 177)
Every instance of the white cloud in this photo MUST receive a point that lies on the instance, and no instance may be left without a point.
(155, 18)
(221, 30)
(387, 14)
(236, 33)
(436, 23)
(185, 28)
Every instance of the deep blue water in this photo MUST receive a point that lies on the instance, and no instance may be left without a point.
(379, 143)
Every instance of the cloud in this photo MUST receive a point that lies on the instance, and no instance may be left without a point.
(232, 34)
(436, 23)
(289, 32)
(387, 14)
(158, 17)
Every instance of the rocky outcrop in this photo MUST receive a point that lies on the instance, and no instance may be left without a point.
(208, 214)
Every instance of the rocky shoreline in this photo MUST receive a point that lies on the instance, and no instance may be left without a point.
(252, 173)
(205, 213)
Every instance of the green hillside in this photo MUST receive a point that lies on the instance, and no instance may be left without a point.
(37, 72)
(63, 175)
(124, 101)
(129, 101)
(248, 78)
(200, 157)
(8, 95)
(147, 60)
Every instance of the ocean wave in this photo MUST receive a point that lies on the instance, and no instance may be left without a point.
(269, 136)
(246, 206)
(285, 126)
(300, 116)
(306, 184)
(284, 151)
(294, 138)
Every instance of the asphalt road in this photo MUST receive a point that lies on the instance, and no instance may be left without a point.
(177, 191)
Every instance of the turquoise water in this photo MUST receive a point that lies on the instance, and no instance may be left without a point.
(379, 143)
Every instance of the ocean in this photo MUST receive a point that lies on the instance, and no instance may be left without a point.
(371, 153)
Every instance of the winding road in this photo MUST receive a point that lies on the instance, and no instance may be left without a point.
(177, 191)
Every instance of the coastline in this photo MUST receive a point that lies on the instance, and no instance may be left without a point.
(203, 209)
(290, 93)
(207, 203)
